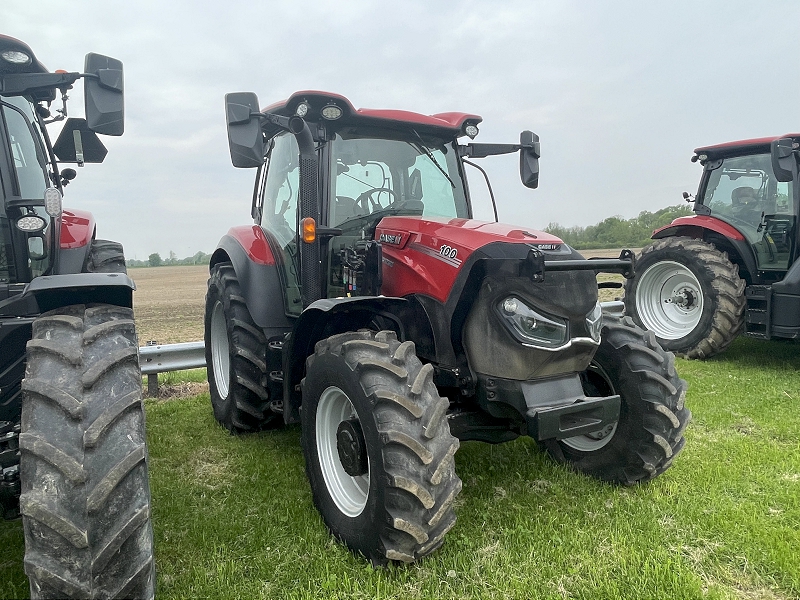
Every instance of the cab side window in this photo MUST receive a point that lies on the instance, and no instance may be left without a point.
(280, 189)
(277, 203)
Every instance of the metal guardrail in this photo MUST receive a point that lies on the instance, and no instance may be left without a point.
(163, 358)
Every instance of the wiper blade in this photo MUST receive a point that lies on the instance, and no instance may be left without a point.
(423, 149)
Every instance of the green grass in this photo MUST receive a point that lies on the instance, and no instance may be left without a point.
(233, 516)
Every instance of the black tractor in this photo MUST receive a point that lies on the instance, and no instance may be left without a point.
(733, 266)
(72, 445)
(365, 303)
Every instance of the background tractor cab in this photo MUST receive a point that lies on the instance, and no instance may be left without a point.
(732, 266)
(366, 303)
(73, 459)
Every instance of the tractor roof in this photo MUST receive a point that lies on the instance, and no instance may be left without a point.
(752, 146)
(450, 124)
(17, 57)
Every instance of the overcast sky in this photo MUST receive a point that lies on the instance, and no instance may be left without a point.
(620, 93)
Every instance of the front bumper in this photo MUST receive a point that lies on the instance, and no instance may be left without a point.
(554, 408)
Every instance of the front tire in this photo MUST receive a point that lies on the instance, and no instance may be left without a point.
(85, 492)
(378, 448)
(235, 356)
(649, 433)
(689, 294)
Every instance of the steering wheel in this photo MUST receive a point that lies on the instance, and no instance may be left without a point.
(374, 204)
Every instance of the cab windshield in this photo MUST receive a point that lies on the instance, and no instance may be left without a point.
(377, 177)
(744, 192)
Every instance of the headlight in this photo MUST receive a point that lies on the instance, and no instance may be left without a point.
(531, 327)
(52, 202)
(594, 322)
(16, 57)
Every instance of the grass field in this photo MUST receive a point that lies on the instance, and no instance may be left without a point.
(233, 516)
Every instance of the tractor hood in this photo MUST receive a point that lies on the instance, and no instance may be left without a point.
(425, 254)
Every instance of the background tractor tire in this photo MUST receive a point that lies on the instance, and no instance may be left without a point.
(399, 506)
(649, 433)
(689, 294)
(85, 499)
(105, 257)
(235, 357)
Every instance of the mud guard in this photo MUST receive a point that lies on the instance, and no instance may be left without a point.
(323, 319)
(258, 277)
(54, 291)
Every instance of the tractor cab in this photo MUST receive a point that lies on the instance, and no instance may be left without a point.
(30, 199)
(739, 187)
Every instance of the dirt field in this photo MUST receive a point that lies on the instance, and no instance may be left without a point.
(169, 301)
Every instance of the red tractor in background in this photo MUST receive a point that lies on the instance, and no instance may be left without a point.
(733, 266)
(73, 459)
(365, 303)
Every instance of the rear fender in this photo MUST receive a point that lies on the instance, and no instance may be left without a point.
(328, 317)
(698, 224)
(253, 260)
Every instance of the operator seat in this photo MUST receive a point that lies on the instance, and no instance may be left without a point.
(344, 208)
(742, 197)
(745, 204)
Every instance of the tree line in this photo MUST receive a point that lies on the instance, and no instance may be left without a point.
(616, 232)
(155, 260)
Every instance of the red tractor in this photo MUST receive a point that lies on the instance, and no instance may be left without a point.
(73, 459)
(365, 303)
(733, 266)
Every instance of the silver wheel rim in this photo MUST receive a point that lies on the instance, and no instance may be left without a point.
(220, 350)
(348, 493)
(594, 441)
(669, 300)
(591, 441)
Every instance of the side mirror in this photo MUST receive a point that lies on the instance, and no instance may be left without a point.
(104, 94)
(245, 139)
(78, 144)
(37, 250)
(784, 163)
(529, 159)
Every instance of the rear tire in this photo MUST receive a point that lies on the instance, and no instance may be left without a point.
(235, 356)
(105, 257)
(85, 492)
(689, 294)
(649, 433)
(401, 506)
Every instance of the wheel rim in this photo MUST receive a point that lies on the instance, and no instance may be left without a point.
(594, 441)
(220, 350)
(669, 300)
(348, 493)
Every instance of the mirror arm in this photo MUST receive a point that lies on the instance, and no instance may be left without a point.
(484, 150)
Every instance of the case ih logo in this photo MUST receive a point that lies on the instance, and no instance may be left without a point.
(391, 238)
(548, 246)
